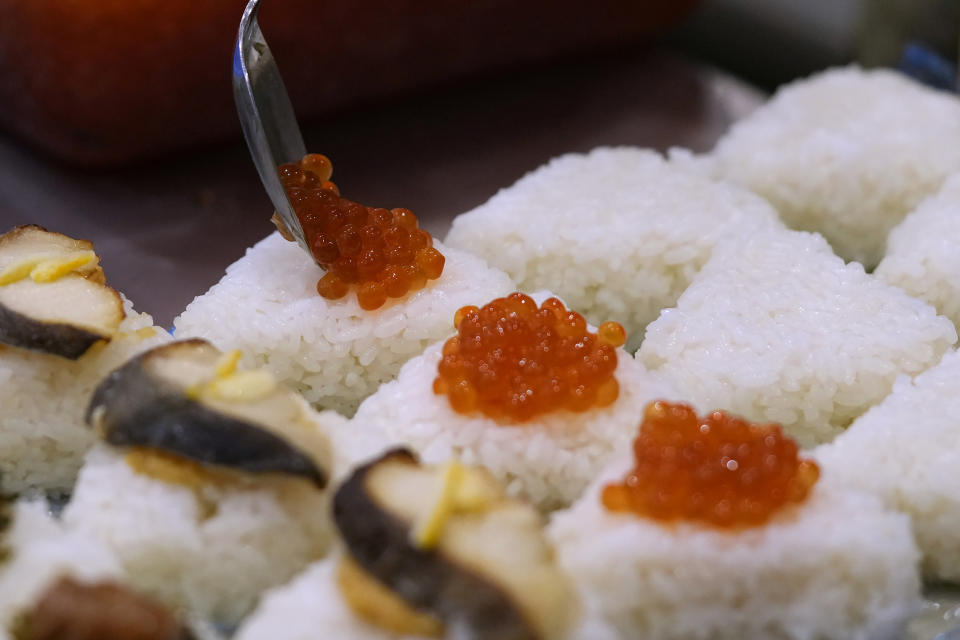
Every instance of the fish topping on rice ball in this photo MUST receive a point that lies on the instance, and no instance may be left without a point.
(430, 551)
(190, 400)
(222, 471)
(846, 152)
(545, 450)
(442, 546)
(718, 530)
(922, 256)
(513, 361)
(781, 330)
(61, 330)
(906, 450)
(53, 296)
(618, 233)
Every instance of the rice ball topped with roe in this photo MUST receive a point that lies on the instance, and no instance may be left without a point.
(525, 389)
(379, 253)
(719, 470)
(512, 361)
(922, 257)
(290, 312)
(846, 152)
(716, 528)
(618, 233)
(905, 451)
(782, 330)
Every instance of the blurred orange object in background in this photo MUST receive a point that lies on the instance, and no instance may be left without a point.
(101, 82)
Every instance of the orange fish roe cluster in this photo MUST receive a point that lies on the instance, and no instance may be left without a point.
(512, 360)
(379, 252)
(718, 470)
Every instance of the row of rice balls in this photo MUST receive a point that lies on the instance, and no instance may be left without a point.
(844, 343)
(733, 309)
(188, 500)
(762, 321)
(209, 543)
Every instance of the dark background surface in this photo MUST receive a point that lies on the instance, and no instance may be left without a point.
(167, 229)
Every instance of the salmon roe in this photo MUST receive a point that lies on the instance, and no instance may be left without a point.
(379, 253)
(512, 360)
(719, 470)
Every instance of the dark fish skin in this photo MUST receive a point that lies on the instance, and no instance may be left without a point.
(428, 581)
(138, 409)
(64, 340)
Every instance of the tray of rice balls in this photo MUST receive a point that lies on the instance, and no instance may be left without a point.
(712, 396)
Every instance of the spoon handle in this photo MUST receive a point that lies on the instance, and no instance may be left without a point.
(266, 115)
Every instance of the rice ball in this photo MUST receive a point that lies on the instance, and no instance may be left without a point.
(209, 549)
(837, 566)
(330, 351)
(548, 460)
(846, 152)
(43, 399)
(38, 551)
(618, 233)
(906, 450)
(922, 251)
(781, 330)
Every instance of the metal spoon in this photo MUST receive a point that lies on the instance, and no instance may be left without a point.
(266, 115)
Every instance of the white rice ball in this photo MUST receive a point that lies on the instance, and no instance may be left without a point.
(846, 152)
(39, 552)
(549, 460)
(331, 351)
(838, 566)
(922, 251)
(907, 451)
(781, 330)
(310, 602)
(43, 399)
(618, 233)
(210, 552)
